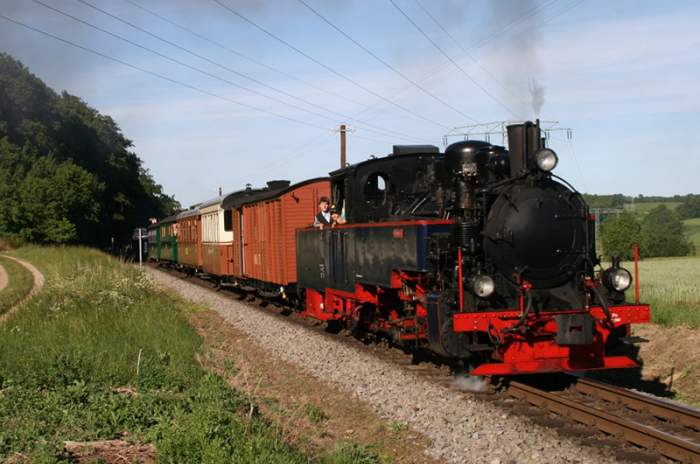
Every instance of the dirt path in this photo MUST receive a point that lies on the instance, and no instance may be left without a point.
(3, 278)
(38, 285)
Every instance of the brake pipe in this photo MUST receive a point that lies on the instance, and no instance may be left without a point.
(459, 276)
(636, 272)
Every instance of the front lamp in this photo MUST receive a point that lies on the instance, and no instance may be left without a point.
(618, 279)
(546, 159)
(483, 286)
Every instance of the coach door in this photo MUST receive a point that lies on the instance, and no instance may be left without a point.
(242, 242)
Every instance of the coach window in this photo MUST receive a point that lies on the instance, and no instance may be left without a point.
(375, 189)
(228, 220)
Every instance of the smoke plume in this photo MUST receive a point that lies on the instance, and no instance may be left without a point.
(537, 96)
(515, 44)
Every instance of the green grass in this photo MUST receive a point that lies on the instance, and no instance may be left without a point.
(66, 351)
(20, 282)
(672, 287)
(353, 453)
(99, 325)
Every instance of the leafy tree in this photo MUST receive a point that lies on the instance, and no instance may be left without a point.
(67, 173)
(662, 234)
(619, 234)
(690, 208)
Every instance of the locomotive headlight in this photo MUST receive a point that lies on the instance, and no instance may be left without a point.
(483, 286)
(546, 159)
(619, 279)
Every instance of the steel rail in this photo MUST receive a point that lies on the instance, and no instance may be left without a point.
(640, 402)
(642, 435)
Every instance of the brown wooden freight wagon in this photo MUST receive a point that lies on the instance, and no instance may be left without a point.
(265, 222)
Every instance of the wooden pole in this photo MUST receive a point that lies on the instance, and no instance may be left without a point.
(342, 146)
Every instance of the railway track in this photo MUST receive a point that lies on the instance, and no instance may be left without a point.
(645, 421)
(632, 419)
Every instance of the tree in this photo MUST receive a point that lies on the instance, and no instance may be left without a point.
(690, 208)
(619, 234)
(662, 234)
(67, 173)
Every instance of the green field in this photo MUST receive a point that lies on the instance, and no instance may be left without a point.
(672, 287)
(645, 207)
(99, 327)
(19, 284)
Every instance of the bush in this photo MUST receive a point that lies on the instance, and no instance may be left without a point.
(662, 234)
(690, 208)
(618, 235)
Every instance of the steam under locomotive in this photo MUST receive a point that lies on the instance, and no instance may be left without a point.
(479, 253)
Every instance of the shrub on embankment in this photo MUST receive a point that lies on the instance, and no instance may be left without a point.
(99, 325)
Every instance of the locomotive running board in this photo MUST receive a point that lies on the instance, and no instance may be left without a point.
(551, 365)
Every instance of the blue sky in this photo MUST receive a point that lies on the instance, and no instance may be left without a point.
(622, 74)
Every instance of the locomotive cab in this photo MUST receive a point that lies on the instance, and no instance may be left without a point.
(398, 186)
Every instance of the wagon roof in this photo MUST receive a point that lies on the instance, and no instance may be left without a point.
(172, 218)
(243, 197)
(192, 211)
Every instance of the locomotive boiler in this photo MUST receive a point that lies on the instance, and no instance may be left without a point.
(480, 254)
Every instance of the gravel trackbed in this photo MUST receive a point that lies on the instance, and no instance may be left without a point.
(461, 430)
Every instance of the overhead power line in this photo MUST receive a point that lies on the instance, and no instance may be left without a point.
(466, 52)
(160, 76)
(496, 35)
(328, 68)
(385, 63)
(237, 73)
(241, 54)
(181, 63)
(507, 27)
(455, 63)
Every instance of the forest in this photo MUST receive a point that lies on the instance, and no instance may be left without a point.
(67, 172)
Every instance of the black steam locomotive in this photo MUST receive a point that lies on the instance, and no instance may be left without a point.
(479, 253)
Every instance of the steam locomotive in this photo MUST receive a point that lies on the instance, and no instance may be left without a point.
(479, 254)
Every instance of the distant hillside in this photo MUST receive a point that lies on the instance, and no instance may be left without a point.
(641, 202)
(67, 173)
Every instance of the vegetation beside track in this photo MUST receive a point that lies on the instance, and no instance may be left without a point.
(19, 284)
(670, 286)
(101, 354)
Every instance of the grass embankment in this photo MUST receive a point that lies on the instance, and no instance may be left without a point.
(671, 286)
(99, 325)
(19, 284)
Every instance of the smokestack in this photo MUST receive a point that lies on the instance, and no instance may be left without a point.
(524, 140)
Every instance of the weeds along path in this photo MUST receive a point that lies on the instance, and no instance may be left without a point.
(3, 278)
(36, 288)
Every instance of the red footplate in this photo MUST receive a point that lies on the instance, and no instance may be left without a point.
(530, 347)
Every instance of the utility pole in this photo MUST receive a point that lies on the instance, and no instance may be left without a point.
(342, 146)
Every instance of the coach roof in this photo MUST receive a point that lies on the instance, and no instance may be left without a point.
(274, 189)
